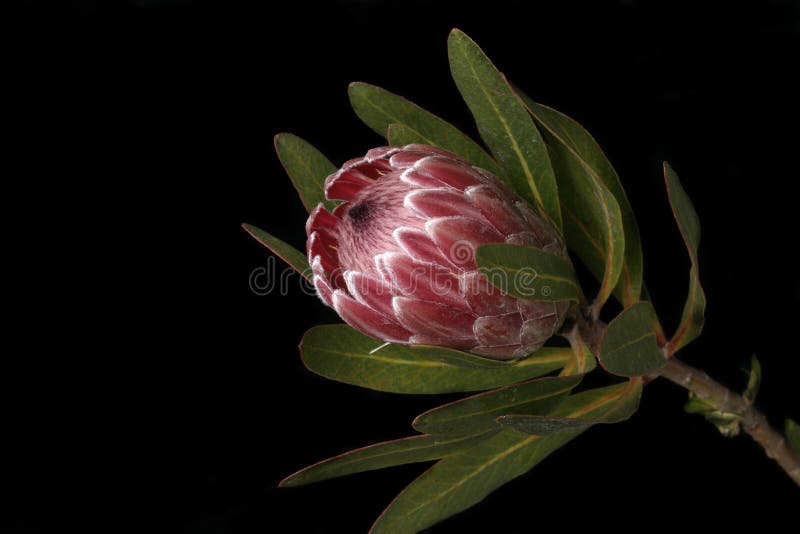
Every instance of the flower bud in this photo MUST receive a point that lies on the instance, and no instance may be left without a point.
(396, 259)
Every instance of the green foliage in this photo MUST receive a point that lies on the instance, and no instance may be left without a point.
(283, 250)
(693, 316)
(728, 423)
(753, 381)
(505, 125)
(459, 481)
(520, 417)
(696, 405)
(612, 404)
(466, 477)
(477, 414)
(402, 135)
(380, 109)
(528, 273)
(380, 455)
(307, 167)
(629, 346)
(598, 220)
(340, 353)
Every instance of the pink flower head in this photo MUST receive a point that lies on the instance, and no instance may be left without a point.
(396, 259)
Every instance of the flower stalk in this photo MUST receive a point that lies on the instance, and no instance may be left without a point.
(712, 393)
(723, 399)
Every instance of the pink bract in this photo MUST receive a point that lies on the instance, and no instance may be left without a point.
(396, 259)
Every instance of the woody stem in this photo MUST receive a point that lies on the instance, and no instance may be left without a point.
(723, 399)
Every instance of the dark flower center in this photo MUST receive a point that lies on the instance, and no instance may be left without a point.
(366, 229)
(361, 214)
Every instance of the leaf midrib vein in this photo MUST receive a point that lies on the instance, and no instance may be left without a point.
(515, 146)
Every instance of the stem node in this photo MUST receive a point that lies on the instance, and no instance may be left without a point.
(725, 401)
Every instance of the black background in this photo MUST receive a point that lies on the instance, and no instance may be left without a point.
(145, 387)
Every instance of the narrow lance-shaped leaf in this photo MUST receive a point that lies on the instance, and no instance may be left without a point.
(340, 353)
(693, 316)
(564, 134)
(465, 478)
(379, 109)
(283, 250)
(593, 221)
(307, 167)
(592, 224)
(528, 273)
(409, 450)
(612, 404)
(505, 125)
(629, 346)
(477, 414)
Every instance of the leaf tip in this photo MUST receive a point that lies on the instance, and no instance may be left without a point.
(357, 87)
(353, 86)
(250, 229)
(288, 482)
(277, 139)
(456, 37)
(301, 346)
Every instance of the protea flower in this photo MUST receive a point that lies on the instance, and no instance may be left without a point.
(396, 259)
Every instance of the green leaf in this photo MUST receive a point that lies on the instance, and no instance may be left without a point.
(728, 423)
(656, 323)
(629, 346)
(696, 405)
(401, 135)
(505, 126)
(793, 435)
(465, 478)
(340, 353)
(477, 414)
(379, 109)
(579, 164)
(307, 167)
(693, 316)
(595, 224)
(592, 224)
(528, 273)
(542, 425)
(386, 454)
(753, 381)
(612, 404)
(283, 250)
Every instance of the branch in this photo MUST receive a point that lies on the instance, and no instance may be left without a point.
(753, 422)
